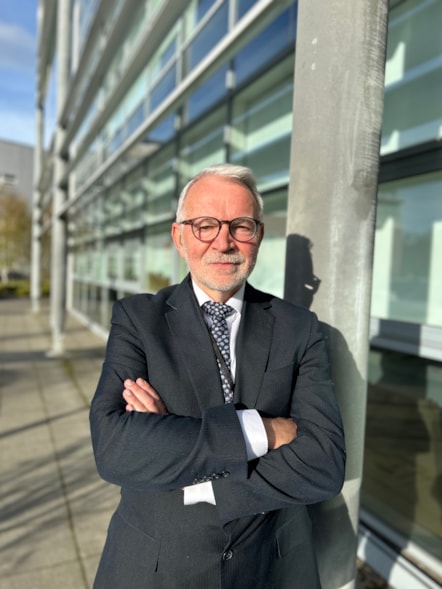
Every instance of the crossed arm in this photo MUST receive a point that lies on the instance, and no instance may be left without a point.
(137, 444)
(142, 397)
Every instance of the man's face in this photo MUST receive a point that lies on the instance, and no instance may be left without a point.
(221, 266)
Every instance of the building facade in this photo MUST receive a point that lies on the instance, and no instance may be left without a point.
(149, 92)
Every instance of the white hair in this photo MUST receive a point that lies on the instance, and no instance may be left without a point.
(239, 174)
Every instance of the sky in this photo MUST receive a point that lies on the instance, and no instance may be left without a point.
(18, 63)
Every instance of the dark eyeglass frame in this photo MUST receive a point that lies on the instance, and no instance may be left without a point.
(220, 222)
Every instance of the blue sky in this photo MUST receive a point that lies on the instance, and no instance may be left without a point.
(18, 47)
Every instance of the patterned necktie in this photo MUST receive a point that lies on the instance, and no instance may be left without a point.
(218, 313)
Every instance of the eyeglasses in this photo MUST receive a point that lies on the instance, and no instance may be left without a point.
(207, 228)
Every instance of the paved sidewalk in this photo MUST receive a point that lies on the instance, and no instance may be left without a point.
(54, 509)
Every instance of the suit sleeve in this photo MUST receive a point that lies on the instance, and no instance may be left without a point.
(151, 452)
(309, 469)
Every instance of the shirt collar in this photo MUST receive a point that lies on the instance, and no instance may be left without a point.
(236, 302)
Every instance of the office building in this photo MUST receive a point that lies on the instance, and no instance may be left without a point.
(148, 93)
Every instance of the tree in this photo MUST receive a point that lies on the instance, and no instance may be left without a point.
(15, 233)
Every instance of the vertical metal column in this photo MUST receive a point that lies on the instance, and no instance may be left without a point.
(59, 232)
(338, 103)
(36, 216)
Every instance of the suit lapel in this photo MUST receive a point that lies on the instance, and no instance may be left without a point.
(253, 346)
(189, 331)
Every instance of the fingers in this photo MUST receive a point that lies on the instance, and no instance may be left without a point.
(141, 396)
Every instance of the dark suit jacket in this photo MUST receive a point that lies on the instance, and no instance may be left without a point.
(258, 534)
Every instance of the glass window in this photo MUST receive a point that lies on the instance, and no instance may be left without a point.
(403, 446)
(207, 38)
(113, 210)
(80, 263)
(262, 125)
(97, 264)
(113, 261)
(134, 104)
(163, 131)
(413, 75)
(202, 8)
(87, 165)
(112, 296)
(135, 119)
(244, 6)
(268, 274)
(80, 296)
(160, 184)
(198, 9)
(206, 95)
(204, 146)
(132, 259)
(94, 303)
(277, 36)
(407, 281)
(163, 88)
(163, 55)
(134, 196)
(158, 258)
(163, 71)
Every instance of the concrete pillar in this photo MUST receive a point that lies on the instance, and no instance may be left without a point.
(338, 103)
(59, 232)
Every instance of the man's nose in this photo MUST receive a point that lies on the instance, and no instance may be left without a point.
(224, 240)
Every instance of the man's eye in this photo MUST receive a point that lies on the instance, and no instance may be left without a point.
(244, 228)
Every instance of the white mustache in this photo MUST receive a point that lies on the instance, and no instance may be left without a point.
(224, 259)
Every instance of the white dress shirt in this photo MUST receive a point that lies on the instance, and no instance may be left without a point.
(253, 430)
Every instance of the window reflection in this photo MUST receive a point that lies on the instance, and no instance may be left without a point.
(413, 75)
(158, 259)
(277, 36)
(207, 94)
(207, 38)
(204, 145)
(407, 282)
(403, 446)
(268, 274)
(262, 124)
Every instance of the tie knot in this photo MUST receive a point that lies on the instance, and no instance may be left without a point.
(217, 311)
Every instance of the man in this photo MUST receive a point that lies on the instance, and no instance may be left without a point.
(217, 446)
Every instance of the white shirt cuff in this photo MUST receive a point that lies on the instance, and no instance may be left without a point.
(254, 433)
(255, 438)
(202, 492)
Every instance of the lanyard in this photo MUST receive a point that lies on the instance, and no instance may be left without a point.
(222, 363)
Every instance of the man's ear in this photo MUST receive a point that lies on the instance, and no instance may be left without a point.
(177, 238)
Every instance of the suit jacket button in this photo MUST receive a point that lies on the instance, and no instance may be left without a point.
(228, 554)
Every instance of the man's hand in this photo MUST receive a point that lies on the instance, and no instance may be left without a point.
(140, 396)
(279, 430)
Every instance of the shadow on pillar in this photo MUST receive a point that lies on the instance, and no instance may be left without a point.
(334, 534)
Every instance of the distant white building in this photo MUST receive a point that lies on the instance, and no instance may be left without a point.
(17, 167)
